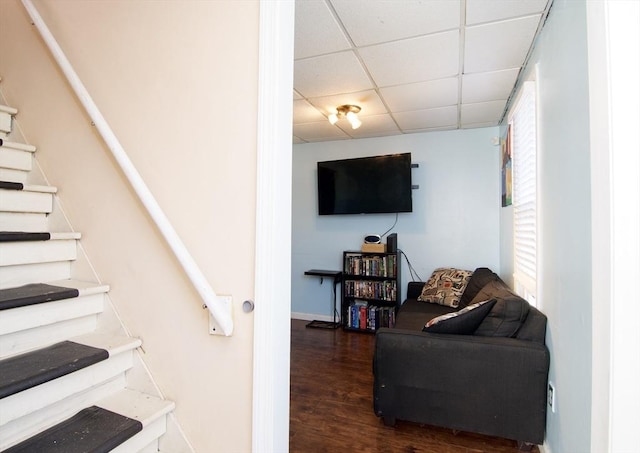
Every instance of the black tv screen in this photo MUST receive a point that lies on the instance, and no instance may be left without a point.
(368, 185)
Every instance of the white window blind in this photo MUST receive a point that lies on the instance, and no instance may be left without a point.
(523, 130)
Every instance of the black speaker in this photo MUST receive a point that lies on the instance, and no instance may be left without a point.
(392, 243)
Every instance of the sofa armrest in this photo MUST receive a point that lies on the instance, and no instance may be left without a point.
(490, 385)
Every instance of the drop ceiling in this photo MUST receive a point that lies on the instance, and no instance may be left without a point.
(411, 65)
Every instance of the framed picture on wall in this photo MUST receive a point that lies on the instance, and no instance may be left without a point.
(507, 187)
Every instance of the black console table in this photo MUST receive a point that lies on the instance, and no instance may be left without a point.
(337, 278)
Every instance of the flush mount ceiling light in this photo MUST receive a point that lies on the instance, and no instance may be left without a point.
(347, 111)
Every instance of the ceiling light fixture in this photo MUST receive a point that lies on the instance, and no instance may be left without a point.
(348, 111)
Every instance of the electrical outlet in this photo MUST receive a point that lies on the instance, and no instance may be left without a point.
(551, 397)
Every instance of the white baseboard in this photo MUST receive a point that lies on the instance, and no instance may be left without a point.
(311, 317)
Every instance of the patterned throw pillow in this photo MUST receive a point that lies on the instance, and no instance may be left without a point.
(445, 286)
(461, 322)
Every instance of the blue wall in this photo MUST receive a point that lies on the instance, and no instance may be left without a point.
(455, 218)
(564, 203)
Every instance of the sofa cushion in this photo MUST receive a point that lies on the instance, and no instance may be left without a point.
(461, 322)
(413, 315)
(480, 277)
(507, 315)
(445, 286)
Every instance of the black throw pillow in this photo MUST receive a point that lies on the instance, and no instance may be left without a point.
(461, 322)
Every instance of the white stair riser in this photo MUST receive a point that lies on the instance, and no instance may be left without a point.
(31, 252)
(140, 441)
(15, 159)
(28, 401)
(38, 315)
(23, 221)
(11, 276)
(13, 175)
(25, 201)
(5, 123)
(28, 340)
(24, 427)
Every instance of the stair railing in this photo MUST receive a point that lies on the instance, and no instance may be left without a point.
(215, 304)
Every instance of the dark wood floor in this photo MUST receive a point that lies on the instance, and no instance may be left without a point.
(332, 408)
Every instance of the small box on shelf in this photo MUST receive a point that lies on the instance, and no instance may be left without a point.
(373, 248)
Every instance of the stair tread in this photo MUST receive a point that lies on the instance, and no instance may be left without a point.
(18, 146)
(26, 236)
(34, 293)
(33, 368)
(137, 405)
(93, 429)
(10, 185)
(31, 188)
(84, 288)
(7, 109)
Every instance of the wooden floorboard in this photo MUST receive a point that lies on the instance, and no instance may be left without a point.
(332, 407)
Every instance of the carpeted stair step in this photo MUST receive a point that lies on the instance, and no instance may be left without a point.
(31, 198)
(34, 293)
(35, 315)
(32, 261)
(26, 406)
(10, 185)
(24, 236)
(93, 429)
(28, 370)
(16, 161)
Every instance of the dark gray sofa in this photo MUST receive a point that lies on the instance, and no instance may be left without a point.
(494, 385)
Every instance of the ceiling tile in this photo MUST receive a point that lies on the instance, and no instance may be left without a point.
(488, 86)
(499, 45)
(374, 126)
(422, 119)
(296, 95)
(479, 11)
(330, 74)
(422, 95)
(303, 112)
(482, 112)
(297, 140)
(316, 30)
(318, 131)
(370, 22)
(413, 60)
(368, 101)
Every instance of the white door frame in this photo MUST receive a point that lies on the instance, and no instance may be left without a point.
(272, 315)
(614, 97)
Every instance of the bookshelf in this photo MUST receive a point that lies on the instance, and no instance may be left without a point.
(370, 290)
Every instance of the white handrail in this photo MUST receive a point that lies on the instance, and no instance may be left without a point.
(213, 303)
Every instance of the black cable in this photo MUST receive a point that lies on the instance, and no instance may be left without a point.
(412, 271)
(394, 224)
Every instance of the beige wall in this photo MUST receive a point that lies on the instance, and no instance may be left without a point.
(177, 82)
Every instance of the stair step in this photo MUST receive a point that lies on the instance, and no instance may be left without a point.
(23, 221)
(34, 293)
(6, 115)
(23, 236)
(148, 410)
(16, 161)
(28, 370)
(55, 396)
(30, 248)
(93, 429)
(21, 274)
(32, 198)
(37, 319)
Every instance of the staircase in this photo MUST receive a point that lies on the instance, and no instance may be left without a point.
(66, 363)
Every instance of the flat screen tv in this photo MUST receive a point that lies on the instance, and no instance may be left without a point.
(368, 185)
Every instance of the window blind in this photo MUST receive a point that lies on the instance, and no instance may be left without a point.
(523, 130)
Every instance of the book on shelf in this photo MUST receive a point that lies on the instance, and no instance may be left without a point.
(364, 316)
